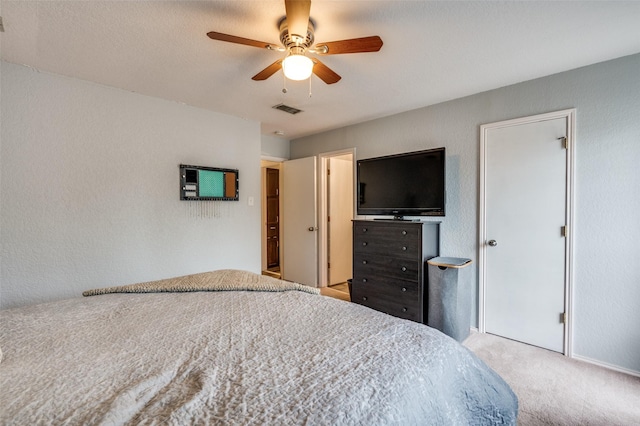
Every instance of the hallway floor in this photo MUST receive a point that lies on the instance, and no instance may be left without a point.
(273, 272)
(337, 291)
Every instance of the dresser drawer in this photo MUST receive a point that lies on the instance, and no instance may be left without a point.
(396, 248)
(393, 241)
(405, 291)
(398, 307)
(369, 265)
(388, 230)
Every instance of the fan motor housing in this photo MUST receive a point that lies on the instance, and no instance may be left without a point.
(289, 42)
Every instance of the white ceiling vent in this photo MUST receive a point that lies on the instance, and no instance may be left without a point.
(287, 108)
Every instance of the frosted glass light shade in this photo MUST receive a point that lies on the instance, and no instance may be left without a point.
(297, 67)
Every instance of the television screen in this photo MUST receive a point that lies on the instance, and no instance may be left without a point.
(411, 184)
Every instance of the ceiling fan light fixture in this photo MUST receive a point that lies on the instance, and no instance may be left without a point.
(297, 67)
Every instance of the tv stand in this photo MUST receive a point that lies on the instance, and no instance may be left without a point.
(389, 265)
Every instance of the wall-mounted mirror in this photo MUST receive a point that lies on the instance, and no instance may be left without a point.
(208, 183)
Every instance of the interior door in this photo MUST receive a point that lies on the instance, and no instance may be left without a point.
(340, 236)
(299, 225)
(525, 212)
(273, 217)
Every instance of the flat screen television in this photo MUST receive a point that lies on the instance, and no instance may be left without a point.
(410, 184)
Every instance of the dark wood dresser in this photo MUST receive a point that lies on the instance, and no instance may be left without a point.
(389, 265)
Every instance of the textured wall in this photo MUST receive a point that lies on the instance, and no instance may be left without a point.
(606, 311)
(89, 188)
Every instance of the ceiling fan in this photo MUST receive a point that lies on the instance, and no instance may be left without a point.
(296, 35)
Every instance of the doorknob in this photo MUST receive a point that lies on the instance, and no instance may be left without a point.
(493, 243)
(312, 228)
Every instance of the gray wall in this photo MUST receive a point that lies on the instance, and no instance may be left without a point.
(606, 310)
(90, 191)
(274, 147)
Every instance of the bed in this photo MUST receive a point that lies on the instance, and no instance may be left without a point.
(235, 348)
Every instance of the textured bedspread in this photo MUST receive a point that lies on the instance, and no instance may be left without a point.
(237, 357)
(223, 280)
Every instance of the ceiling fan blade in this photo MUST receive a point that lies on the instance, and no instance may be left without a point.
(325, 73)
(268, 71)
(239, 40)
(298, 17)
(353, 45)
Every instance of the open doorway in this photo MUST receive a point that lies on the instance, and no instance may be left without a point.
(333, 261)
(297, 224)
(337, 176)
(271, 222)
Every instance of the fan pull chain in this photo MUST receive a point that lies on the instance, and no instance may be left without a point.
(284, 83)
(310, 86)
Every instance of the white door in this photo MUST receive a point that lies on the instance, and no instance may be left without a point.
(340, 236)
(299, 222)
(525, 209)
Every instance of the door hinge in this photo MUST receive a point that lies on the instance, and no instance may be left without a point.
(328, 265)
(277, 191)
(563, 231)
(328, 218)
(328, 172)
(563, 141)
(563, 318)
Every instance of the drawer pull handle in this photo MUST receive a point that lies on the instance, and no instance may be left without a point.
(364, 298)
(364, 229)
(404, 289)
(364, 244)
(364, 262)
(404, 269)
(364, 280)
(404, 249)
(404, 309)
(404, 232)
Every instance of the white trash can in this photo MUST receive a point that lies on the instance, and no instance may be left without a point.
(449, 303)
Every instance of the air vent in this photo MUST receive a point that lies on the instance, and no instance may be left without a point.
(287, 108)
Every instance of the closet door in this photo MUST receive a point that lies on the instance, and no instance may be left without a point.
(524, 245)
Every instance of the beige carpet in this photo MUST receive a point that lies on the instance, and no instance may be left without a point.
(555, 390)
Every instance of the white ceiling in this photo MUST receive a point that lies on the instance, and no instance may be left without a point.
(433, 51)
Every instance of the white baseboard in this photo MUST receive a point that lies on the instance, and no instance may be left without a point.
(608, 366)
(592, 361)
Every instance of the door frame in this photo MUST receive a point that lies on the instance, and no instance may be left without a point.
(570, 116)
(323, 202)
